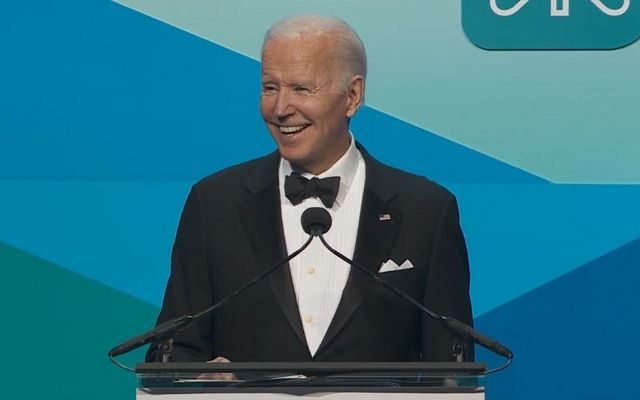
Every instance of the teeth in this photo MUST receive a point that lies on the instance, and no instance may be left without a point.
(291, 129)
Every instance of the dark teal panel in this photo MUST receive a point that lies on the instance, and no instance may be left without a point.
(57, 328)
(573, 338)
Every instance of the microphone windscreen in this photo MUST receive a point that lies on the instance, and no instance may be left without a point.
(316, 221)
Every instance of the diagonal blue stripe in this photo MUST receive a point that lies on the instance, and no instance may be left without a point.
(120, 233)
(129, 98)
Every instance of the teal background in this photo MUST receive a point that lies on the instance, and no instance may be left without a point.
(532, 27)
(110, 111)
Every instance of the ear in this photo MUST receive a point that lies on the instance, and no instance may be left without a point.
(355, 95)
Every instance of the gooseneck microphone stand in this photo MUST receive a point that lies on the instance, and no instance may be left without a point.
(167, 330)
(318, 222)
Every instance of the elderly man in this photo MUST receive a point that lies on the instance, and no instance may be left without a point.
(241, 220)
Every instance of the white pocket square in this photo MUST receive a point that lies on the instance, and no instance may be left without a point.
(390, 265)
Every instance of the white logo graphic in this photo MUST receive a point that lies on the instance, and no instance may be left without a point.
(559, 9)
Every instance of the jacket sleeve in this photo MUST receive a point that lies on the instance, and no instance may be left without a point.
(189, 287)
(447, 287)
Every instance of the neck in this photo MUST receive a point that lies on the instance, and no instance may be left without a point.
(325, 164)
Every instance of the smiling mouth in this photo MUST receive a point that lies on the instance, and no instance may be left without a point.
(288, 130)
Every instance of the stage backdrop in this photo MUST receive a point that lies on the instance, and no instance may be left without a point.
(110, 111)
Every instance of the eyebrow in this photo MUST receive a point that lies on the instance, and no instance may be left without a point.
(269, 81)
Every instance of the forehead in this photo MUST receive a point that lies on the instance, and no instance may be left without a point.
(298, 54)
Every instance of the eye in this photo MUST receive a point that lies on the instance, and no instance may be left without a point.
(301, 89)
(266, 89)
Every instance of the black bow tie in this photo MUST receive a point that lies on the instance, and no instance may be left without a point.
(298, 188)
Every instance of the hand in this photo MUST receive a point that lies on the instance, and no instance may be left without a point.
(219, 376)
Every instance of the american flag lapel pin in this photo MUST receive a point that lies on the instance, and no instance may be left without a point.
(384, 217)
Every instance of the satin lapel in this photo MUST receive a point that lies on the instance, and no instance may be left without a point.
(377, 231)
(261, 218)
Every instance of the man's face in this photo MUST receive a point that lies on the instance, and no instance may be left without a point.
(302, 103)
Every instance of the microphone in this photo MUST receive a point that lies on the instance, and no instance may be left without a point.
(168, 329)
(165, 330)
(318, 221)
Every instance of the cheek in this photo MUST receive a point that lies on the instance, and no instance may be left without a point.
(265, 106)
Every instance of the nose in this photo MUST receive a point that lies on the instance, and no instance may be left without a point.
(283, 107)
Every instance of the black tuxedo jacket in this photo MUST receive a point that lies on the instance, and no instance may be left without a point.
(231, 229)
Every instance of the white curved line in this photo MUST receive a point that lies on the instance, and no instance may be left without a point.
(559, 12)
(614, 12)
(510, 11)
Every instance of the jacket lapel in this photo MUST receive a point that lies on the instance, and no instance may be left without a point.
(377, 231)
(262, 221)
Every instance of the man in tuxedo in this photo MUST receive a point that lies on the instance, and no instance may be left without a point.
(241, 220)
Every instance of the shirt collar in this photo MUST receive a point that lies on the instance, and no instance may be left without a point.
(345, 168)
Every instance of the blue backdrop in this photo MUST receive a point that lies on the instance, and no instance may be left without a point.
(110, 111)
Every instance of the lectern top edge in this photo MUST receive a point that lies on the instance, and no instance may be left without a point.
(456, 368)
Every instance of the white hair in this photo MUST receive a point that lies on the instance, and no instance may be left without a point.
(350, 49)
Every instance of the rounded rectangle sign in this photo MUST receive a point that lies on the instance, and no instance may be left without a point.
(551, 24)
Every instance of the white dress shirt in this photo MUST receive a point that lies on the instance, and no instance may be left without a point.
(319, 277)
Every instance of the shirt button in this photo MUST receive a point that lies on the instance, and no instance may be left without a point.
(311, 270)
(308, 319)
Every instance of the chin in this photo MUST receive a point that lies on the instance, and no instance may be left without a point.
(293, 153)
(296, 159)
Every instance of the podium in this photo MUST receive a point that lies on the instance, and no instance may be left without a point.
(330, 381)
